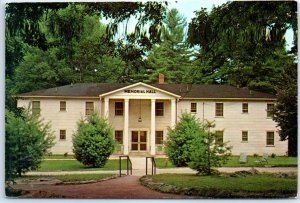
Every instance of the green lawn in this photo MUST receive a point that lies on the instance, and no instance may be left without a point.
(59, 156)
(260, 183)
(234, 162)
(71, 177)
(74, 165)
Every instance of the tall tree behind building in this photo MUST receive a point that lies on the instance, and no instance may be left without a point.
(171, 56)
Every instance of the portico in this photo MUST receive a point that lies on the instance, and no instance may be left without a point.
(140, 115)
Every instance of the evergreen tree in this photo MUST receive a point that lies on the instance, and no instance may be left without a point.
(171, 56)
(93, 141)
(27, 139)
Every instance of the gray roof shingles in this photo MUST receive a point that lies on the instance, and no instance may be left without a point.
(185, 91)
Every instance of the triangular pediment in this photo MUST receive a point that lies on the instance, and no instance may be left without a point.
(140, 90)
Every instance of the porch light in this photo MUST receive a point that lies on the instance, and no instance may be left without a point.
(140, 117)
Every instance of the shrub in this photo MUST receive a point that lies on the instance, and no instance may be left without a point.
(255, 155)
(27, 140)
(93, 142)
(273, 155)
(179, 143)
(66, 154)
(208, 153)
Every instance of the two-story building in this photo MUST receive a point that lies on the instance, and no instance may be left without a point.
(142, 113)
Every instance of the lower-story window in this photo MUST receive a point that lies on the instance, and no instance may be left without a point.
(270, 138)
(62, 134)
(119, 136)
(219, 137)
(159, 137)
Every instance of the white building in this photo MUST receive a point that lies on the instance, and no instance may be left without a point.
(141, 114)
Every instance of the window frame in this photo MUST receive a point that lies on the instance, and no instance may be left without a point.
(119, 109)
(217, 110)
(122, 136)
(89, 111)
(36, 111)
(272, 139)
(60, 134)
(62, 108)
(162, 110)
(245, 110)
(219, 133)
(193, 108)
(270, 111)
(158, 138)
(243, 136)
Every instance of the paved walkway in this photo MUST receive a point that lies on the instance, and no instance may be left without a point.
(127, 187)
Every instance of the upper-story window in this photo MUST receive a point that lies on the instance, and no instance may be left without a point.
(219, 137)
(270, 138)
(36, 107)
(89, 108)
(193, 107)
(63, 106)
(270, 110)
(159, 109)
(118, 108)
(219, 109)
(245, 108)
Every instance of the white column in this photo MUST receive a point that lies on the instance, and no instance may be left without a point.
(106, 108)
(173, 112)
(126, 124)
(152, 130)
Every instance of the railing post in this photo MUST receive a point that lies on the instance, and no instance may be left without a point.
(146, 165)
(127, 165)
(120, 167)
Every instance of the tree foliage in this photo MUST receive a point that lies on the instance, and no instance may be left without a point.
(237, 39)
(27, 139)
(93, 141)
(180, 141)
(285, 113)
(171, 55)
(207, 153)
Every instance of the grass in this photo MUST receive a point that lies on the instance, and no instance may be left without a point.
(263, 184)
(279, 161)
(71, 177)
(74, 165)
(59, 156)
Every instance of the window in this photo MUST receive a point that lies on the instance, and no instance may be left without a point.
(62, 134)
(63, 106)
(245, 108)
(36, 108)
(193, 107)
(119, 136)
(270, 138)
(159, 109)
(244, 136)
(119, 108)
(219, 137)
(159, 137)
(89, 108)
(219, 109)
(270, 109)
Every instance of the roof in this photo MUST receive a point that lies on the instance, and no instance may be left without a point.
(184, 90)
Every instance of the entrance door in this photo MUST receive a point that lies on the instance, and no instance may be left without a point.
(138, 140)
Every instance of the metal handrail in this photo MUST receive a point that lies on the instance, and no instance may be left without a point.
(128, 165)
(153, 166)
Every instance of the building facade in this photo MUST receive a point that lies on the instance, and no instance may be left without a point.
(141, 114)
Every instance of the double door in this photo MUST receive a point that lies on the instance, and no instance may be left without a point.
(138, 141)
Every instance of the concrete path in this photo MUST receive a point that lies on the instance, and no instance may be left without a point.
(141, 172)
